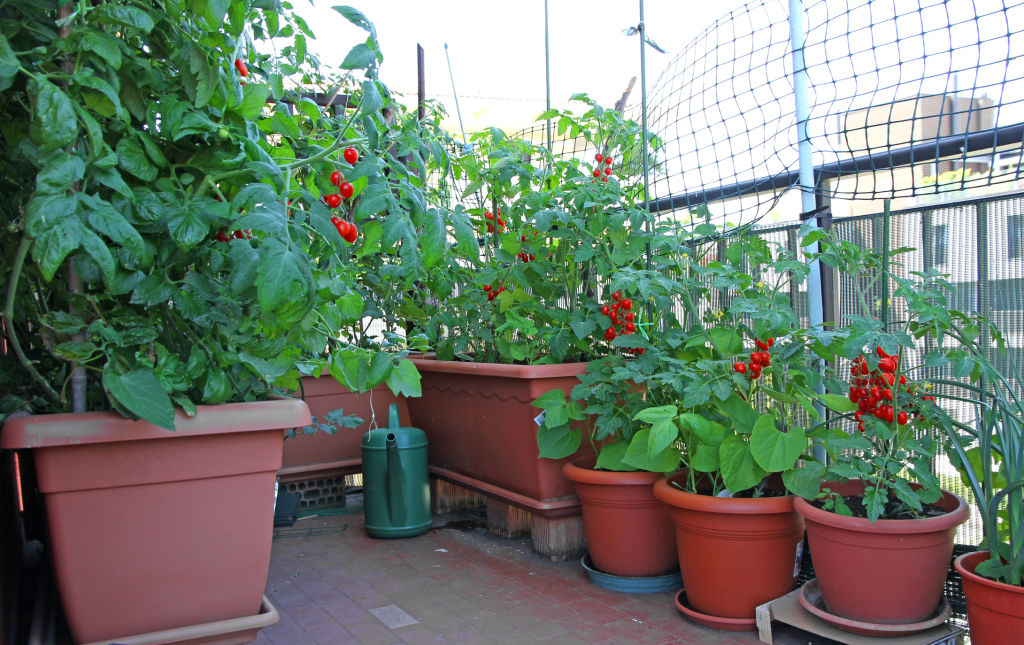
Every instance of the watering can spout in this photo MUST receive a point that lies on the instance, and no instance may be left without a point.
(396, 476)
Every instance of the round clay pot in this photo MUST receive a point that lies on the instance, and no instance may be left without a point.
(995, 610)
(889, 571)
(734, 553)
(628, 530)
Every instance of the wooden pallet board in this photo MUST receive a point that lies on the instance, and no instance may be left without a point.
(787, 610)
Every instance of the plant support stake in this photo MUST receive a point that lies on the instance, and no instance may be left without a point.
(816, 315)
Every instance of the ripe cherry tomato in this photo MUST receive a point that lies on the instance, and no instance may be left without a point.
(606, 310)
(352, 233)
(761, 344)
(607, 171)
(597, 173)
(351, 155)
(604, 179)
(629, 316)
(617, 295)
(740, 367)
(902, 418)
(334, 199)
(599, 157)
(487, 287)
(630, 328)
(491, 295)
(240, 66)
(608, 160)
(627, 303)
(337, 178)
(346, 189)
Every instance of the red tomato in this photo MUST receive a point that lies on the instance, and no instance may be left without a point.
(337, 178)
(346, 189)
(334, 199)
(351, 155)
(240, 66)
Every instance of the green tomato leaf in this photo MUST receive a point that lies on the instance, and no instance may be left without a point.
(433, 238)
(53, 245)
(838, 403)
(805, 481)
(54, 124)
(140, 392)
(9, 64)
(126, 16)
(404, 380)
(132, 159)
(58, 172)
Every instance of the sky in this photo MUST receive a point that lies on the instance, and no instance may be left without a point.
(497, 49)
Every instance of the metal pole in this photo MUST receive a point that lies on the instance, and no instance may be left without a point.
(547, 73)
(643, 125)
(800, 90)
(421, 84)
(455, 94)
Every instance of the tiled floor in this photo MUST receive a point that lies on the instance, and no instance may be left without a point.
(334, 585)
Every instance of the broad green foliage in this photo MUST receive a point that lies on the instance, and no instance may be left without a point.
(186, 198)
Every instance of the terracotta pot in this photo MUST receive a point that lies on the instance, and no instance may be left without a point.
(153, 530)
(734, 553)
(995, 610)
(480, 424)
(628, 530)
(889, 571)
(321, 454)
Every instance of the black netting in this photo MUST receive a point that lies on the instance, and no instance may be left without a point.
(905, 99)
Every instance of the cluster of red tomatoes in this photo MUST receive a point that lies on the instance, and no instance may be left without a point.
(758, 360)
(346, 230)
(872, 390)
(491, 292)
(523, 255)
(224, 236)
(598, 173)
(620, 314)
(489, 216)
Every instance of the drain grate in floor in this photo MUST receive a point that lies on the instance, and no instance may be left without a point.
(393, 616)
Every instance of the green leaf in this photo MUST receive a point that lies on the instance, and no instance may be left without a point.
(357, 18)
(727, 341)
(359, 57)
(254, 99)
(659, 413)
(583, 328)
(97, 249)
(283, 275)
(773, 450)
(838, 403)
(663, 434)
(58, 172)
(550, 399)
(372, 101)
(739, 411)
(186, 226)
(54, 124)
(140, 392)
(805, 481)
(122, 15)
(705, 459)
(53, 245)
(9, 64)
(739, 470)
(404, 380)
(638, 457)
(103, 45)
(432, 239)
(556, 443)
(611, 457)
(105, 219)
(132, 158)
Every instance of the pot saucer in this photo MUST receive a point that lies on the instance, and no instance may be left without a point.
(627, 584)
(714, 622)
(812, 601)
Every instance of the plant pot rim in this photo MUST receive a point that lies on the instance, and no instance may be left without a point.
(581, 470)
(954, 517)
(709, 504)
(56, 430)
(967, 562)
(548, 370)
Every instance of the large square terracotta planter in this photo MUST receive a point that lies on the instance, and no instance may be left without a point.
(327, 455)
(151, 529)
(479, 420)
